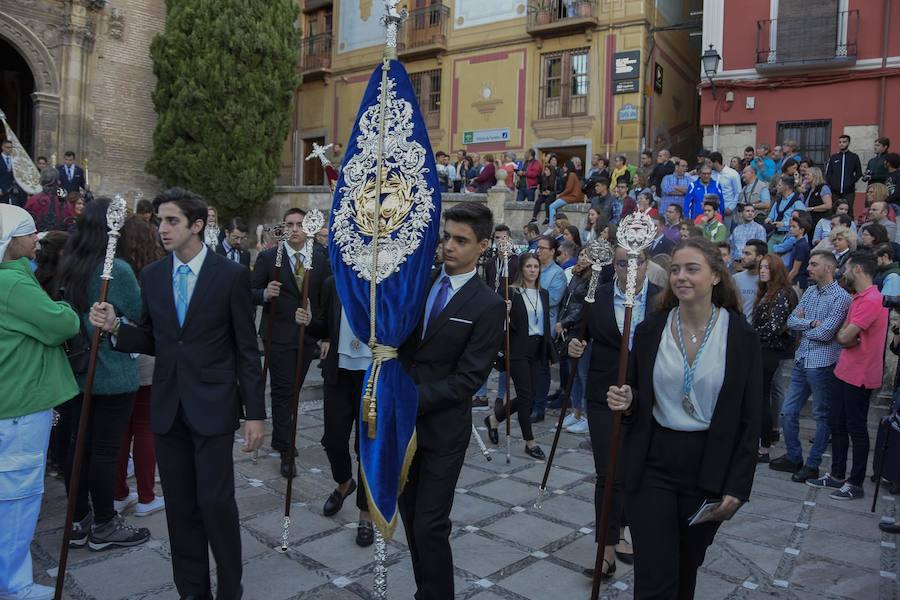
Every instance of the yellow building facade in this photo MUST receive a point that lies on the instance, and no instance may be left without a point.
(576, 77)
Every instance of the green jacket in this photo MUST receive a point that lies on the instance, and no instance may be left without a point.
(877, 170)
(715, 231)
(34, 371)
(117, 372)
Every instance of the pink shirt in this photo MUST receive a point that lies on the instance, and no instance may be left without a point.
(862, 364)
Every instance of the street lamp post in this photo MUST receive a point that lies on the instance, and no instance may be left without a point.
(710, 60)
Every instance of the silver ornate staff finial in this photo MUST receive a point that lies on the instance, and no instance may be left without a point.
(282, 233)
(636, 232)
(115, 218)
(392, 19)
(600, 253)
(319, 152)
(312, 223)
(211, 235)
(505, 250)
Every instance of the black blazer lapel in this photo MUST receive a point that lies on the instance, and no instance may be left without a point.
(459, 299)
(208, 272)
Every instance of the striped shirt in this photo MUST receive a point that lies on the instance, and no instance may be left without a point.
(818, 345)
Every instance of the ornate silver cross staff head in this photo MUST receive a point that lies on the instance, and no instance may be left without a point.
(391, 20)
(600, 253)
(505, 250)
(115, 218)
(319, 152)
(282, 233)
(636, 232)
(211, 235)
(312, 223)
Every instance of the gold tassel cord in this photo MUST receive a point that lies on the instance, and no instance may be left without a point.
(380, 355)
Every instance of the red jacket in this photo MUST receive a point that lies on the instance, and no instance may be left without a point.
(39, 207)
(532, 173)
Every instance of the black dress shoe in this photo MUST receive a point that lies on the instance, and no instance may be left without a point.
(625, 557)
(805, 473)
(762, 457)
(365, 534)
(535, 452)
(336, 500)
(288, 465)
(206, 596)
(537, 417)
(784, 464)
(604, 575)
(889, 527)
(493, 434)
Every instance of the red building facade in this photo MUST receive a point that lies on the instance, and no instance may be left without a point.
(808, 70)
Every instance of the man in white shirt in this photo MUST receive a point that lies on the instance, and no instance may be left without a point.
(747, 281)
(730, 182)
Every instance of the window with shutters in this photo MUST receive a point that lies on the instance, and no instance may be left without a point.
(315, 47)
(806, 33)
(427, 87)
(813, 138)
(564, 84)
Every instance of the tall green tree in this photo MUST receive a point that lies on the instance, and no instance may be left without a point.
(226, 73)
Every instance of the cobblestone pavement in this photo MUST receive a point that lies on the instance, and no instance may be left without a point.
(791, 541)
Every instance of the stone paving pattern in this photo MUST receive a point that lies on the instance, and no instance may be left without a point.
(791, 541)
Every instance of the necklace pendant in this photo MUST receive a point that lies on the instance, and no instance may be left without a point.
(688, 407)
(693, 338)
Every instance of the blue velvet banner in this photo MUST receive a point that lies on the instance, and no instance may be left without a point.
(407, 233)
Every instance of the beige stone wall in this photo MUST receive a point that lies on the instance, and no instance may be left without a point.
(119, 108)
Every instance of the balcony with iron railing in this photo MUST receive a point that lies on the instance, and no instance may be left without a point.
(315, 55)
(807, 42)
(424, 32)
(547, 18)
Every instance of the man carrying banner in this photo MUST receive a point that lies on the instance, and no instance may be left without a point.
(448, 357)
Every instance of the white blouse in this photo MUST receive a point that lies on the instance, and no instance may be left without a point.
(534, 310)
(668, 378)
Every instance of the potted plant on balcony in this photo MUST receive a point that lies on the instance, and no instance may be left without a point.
(542, 9)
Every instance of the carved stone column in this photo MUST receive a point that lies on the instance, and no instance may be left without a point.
(77, 44)
(46, 117)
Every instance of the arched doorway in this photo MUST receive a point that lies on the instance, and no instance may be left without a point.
(16, 89)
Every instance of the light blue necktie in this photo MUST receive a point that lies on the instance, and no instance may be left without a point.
(181, 292)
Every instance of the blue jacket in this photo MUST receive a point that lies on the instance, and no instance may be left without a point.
(693, 200)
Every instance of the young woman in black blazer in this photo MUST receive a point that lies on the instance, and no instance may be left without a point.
(691, 420)
(605, 319)
(530, 348)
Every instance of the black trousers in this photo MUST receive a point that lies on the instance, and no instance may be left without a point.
(523, 372)
(667, 551)
(282, 366)
(545, 201)
(600, 419)
(197, 474)
(425, 506)
(771, 360)
(342, 399)
(105, 432)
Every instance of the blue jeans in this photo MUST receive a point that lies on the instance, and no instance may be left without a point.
(527, 194)
(553, 206)
(501, 387)
(821, 383)
(580, 384)
(23, 454)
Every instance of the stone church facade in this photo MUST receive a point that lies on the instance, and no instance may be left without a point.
(77, 75)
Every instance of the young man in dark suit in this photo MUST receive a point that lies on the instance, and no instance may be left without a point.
(9, 191)
(232, 247)
(71, 176)
(284, 296)
(448, 356)
(344, 368)
(207, 371)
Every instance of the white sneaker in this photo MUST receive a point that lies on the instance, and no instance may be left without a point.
(123, 505)
(34, 591)
(569, 420)
(580, 426)
(152, 507)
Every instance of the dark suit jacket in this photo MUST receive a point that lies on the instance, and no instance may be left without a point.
(243, 254)
(603, 331)
(729, 459)
(518, 327)
(7, 180)
(663, 246)
(452, 361)
(210, 366)
(490, 273)
(71, 185)
(284, 329)
(326, 325)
